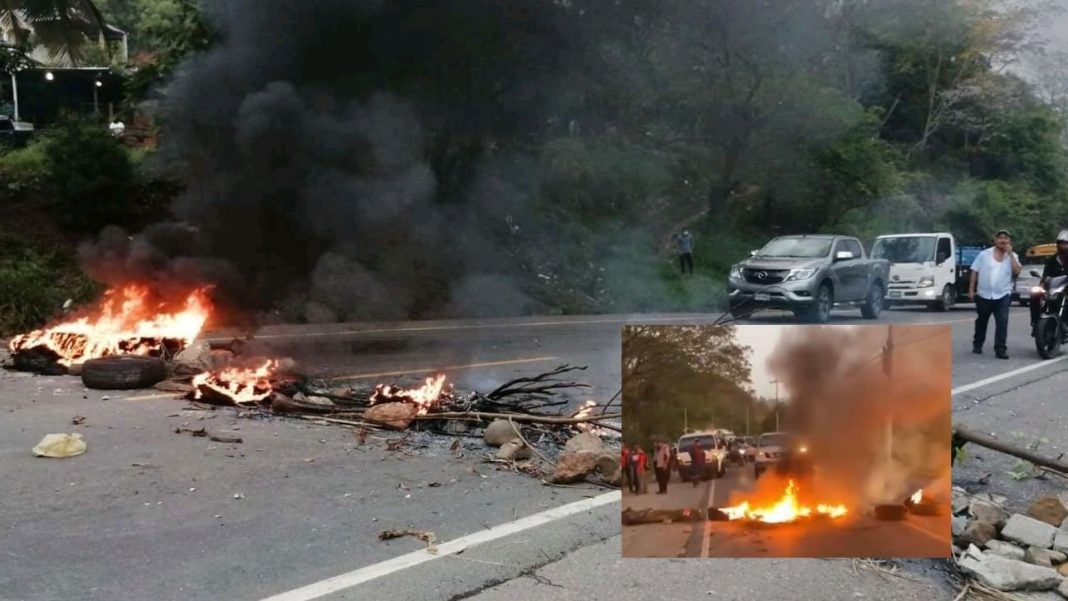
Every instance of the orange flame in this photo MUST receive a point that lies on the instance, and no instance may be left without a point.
(786, 509)
(243, 385)
(123, 324)
(585, 411)
(917, 497)
(424, 397)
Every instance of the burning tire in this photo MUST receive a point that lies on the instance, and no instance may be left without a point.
(123, 372)
(891, 513)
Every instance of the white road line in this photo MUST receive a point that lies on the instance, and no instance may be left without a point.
(708, 523)
(1006, 375)
(371, 572)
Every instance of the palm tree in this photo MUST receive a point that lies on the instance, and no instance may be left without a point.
(62, 26)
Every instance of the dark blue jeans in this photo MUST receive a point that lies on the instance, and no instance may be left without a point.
(1000, 310)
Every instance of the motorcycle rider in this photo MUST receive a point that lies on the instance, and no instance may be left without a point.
(1055, 266)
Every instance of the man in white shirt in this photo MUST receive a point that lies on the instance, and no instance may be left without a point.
(661, 463)
(993, 272)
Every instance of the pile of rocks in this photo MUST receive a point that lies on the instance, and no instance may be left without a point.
(584, 456)
(1012, 552)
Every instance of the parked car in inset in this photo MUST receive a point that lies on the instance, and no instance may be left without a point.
(715, 451)
(770, 449)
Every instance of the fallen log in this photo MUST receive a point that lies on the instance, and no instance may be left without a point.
(531, 419)
(966, 435)
(661, 516)
(284, 404)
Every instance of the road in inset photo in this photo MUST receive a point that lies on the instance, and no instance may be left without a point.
(817, 441)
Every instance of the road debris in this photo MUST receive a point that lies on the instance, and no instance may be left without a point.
(60, 446)
(999, 552)
(424, 535)
(78, 420)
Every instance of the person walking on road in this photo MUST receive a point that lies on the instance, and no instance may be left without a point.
(662, 465)
(990, 288)
(632, 469)
(685, 248)
(1056, 266)
(697, 462)
(626, 468)
(643, 471)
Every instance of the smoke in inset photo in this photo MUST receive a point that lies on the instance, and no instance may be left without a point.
(786, 441)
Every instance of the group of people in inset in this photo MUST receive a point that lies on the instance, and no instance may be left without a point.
(636, 463)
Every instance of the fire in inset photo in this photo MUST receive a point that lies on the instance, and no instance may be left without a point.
(786, 441)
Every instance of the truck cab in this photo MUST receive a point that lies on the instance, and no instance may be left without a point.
(925, 268)
(715, 451)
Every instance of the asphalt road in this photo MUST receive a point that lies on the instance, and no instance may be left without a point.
(294, 511)
(857, 534)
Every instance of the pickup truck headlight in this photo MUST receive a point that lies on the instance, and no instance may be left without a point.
(925, 282)
(736, 272)
(800, 274)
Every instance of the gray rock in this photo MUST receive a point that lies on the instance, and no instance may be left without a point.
(1063, 588)
(574, 467)
(513, 449)
(1049, 510)
(1004, 549)
(499, 432)
(985, 511)
(959, 524)
(1029, 531)
(1009, 574)
(1060, 541)
(1056, 556)
(587, 441)
(959, 502)
(1038, 596)
(978, 533)
(1039, 557)
(1064, 524)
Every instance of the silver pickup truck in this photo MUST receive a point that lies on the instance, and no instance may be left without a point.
(808, 275)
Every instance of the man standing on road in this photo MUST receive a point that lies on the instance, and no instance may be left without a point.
(990, 288)
(685, 246)
(662, 463)
(1056, 266)
(697, 462)
(626, 468)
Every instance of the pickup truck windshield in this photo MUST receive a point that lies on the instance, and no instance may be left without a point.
(707, 443)
(774, 440)
(806, 248)
(919, 249)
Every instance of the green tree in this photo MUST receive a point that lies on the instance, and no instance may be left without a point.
(65, 27)
(700, 372)
(90, 176)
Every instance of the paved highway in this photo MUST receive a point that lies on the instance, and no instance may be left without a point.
(294, 511)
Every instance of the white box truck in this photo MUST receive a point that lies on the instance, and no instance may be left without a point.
(926, 268)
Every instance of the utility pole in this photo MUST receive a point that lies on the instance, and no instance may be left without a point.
(888, 352)
(776, 383)
(15, 95)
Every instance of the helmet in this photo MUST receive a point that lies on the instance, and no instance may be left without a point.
(1063, 236)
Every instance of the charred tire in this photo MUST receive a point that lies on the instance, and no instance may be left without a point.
(891, 513)
(820, 311)
(945, 301)
(873, 305)
(1048, 337)
(123, 373)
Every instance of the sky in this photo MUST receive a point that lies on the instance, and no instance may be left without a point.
(762, 341)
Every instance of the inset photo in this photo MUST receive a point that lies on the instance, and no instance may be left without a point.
(786, 441)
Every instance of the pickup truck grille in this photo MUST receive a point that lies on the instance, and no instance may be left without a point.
(771, 276)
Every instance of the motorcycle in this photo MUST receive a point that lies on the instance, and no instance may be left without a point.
(1051, 330)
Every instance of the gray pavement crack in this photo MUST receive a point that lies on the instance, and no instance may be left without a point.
(977, 401)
